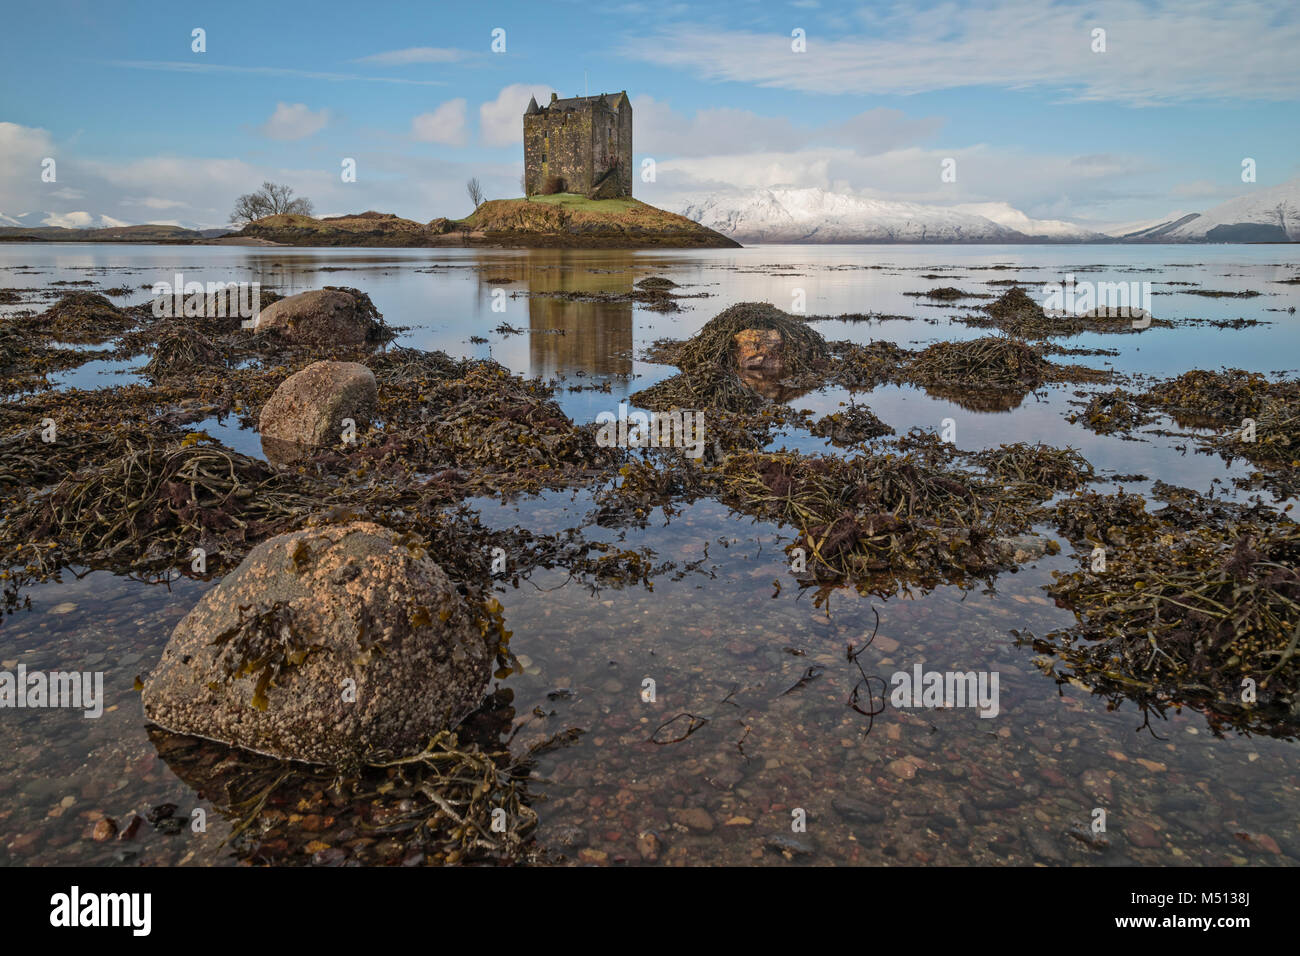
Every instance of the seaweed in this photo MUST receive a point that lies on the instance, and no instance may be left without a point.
(153, 503)
(182, 351)
(855, 424)
(85, 317)
(1110, 412)
(1017, 313)
(1039, 466)
(463, 799)
(884, 521)
(1194, 602)
(262, 642)
(947, 294)
(995, 361)
(1252, 418)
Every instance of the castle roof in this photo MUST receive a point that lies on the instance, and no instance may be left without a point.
(578, 102)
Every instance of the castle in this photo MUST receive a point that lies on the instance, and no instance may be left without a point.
(579, 145)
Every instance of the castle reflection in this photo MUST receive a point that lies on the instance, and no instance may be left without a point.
(568, 337)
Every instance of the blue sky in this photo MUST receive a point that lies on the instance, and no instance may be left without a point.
(145, 129)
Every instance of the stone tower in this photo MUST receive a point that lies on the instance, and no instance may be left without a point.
(579, 145)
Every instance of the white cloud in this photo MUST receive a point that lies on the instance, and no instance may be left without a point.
(22, 148)
(69, 220)
(186, 66)
(294, 121)
(1156, 51)
(412, 186)
(1204, 189)
(153, 202)
(415, 54)
(662, 131)
(444, 125)
(501, 121)
(1046, 186)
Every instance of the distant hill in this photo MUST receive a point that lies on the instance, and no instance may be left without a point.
(146, 233)
(362, 229)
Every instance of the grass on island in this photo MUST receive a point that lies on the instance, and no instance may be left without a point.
(576, 202)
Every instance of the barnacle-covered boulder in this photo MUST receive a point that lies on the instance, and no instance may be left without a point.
(341, 645)
(308, 409)
(334, 315)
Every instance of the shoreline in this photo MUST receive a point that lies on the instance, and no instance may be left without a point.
(562, 242)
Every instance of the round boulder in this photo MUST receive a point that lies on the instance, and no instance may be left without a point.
(336, 645)
(325, 317)
(308, 409)
(760, 351)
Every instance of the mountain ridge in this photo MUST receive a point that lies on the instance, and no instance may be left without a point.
(814, 215)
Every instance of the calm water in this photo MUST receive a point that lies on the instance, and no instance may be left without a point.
(923, 786)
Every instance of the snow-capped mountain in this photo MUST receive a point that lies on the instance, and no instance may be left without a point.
(816, 215)
(68, 220)
(1004, 214)
(1148, 228)
(26, 219)
(784, 214)
(1269, 214)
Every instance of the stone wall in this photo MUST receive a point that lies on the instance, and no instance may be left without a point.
(589, 147)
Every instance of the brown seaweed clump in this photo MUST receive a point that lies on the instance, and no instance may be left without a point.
(1040, 466)
(1017, 313)
(709, 375)
(1255, 418)
(495, 430)
(1277, 431)
(948, 293)
(150, 506)
(84, 317)
(883, 521)
(1201, 397)
(992, 362)
(804, 349)
(866, 366)
(1110, 412)
(1196, 603)
(182, 350)
(854, 424)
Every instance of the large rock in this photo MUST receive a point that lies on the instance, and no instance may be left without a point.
(264, 660)
(307, 411)
(761, 362)
(760, 351)
(329, 316)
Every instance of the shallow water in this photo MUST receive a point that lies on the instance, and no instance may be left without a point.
(923, 785)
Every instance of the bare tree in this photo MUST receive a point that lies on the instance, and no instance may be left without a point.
(271, 200)
(475, 192)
